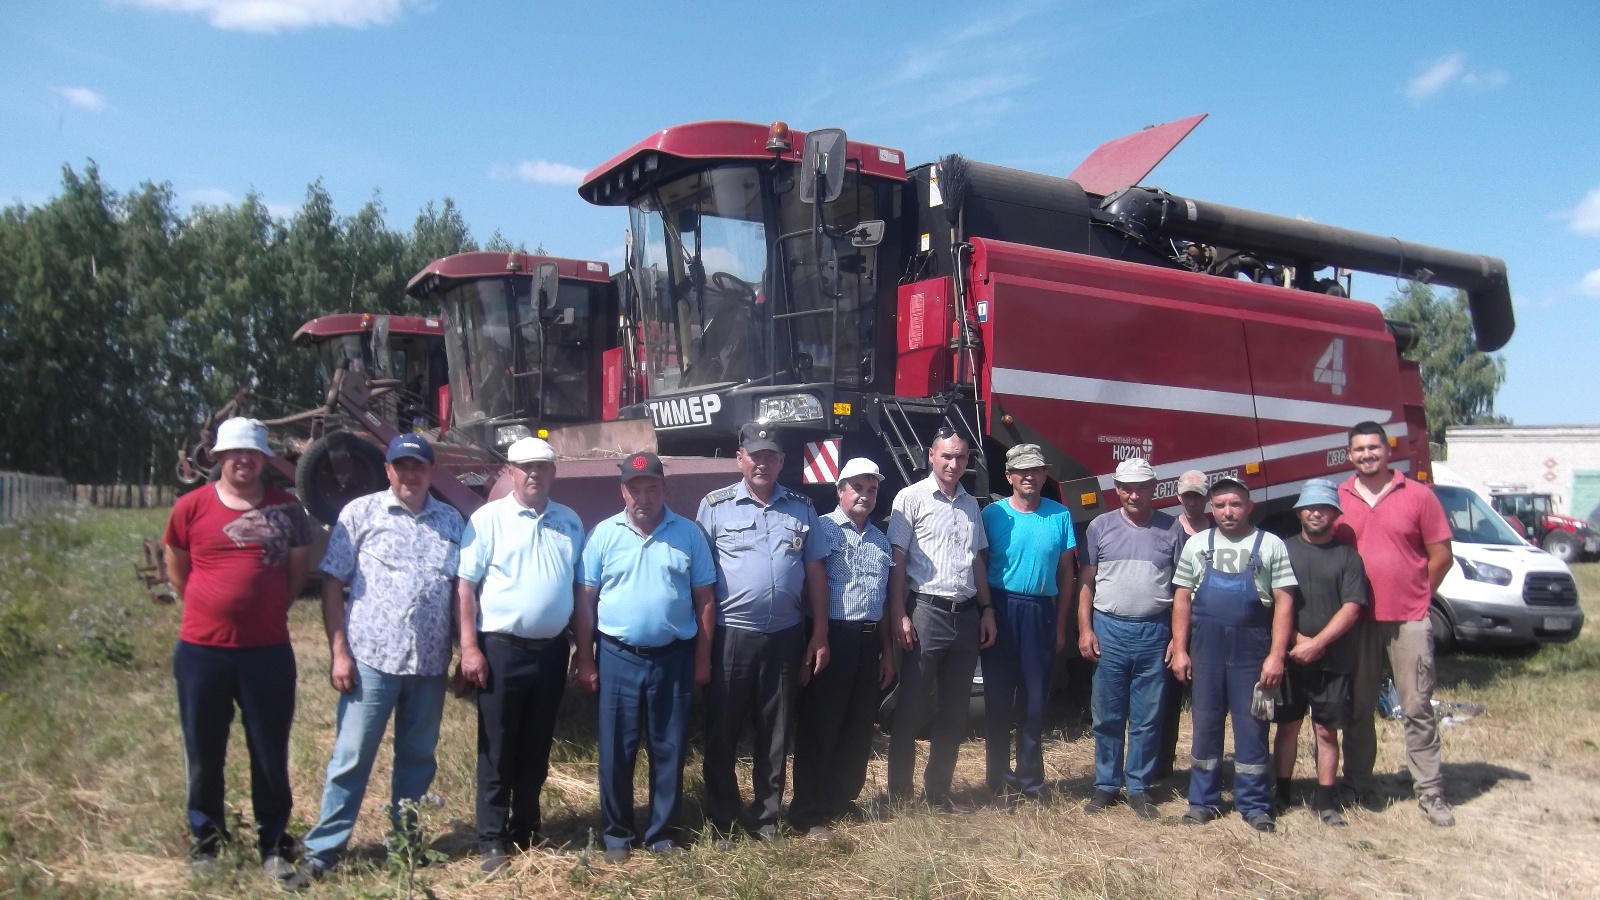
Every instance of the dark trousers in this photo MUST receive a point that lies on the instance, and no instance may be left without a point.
(833, 739)
(1171, 721)
(648, 699)
(936, 678)
(1016, 686)
(754, 677)
(211, 681)
(516, 722)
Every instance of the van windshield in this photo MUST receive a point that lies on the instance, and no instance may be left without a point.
(1471, 519)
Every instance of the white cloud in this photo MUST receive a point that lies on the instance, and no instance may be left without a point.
(1448, 70)
(1589, 285)
(273, 16)
(1585, 218)
(538, 171)
(82, 98)
(280, 210)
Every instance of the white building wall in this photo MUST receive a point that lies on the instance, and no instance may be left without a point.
(1536, 458)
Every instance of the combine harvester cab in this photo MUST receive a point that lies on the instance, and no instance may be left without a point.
(819, 284)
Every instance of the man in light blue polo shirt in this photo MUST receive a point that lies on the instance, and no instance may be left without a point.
(646, 580)
(519, 558)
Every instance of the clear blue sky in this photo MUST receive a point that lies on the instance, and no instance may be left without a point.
(1469, 125)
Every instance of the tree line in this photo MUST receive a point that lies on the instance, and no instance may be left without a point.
(126, 320)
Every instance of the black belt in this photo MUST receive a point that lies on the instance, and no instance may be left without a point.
(847, 625)
(522, 643)
(948, 604)
(642, 651)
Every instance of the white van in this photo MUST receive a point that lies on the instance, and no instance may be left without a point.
(1501, 589)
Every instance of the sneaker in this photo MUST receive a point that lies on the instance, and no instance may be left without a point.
(1198, 815)
(494, 858)
(1439, 812)
(202, 866)
(767, 833)
(667, 850)
(1143, 806)
(1098, 803)
(304, 876)
(819, 833)
(277, 867)
(616, 856)
(1261, 822)
(1332, 816)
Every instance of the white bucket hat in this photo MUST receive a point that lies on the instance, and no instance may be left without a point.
(242, 434)
(859, 466)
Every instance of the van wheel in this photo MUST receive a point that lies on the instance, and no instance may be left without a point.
(1563, 545)
(1444, 634)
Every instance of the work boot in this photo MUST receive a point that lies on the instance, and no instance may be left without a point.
(1438, 810)
(1143, 806)
(1098, 803)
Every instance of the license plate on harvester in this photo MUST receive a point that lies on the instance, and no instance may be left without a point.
(1551, 623)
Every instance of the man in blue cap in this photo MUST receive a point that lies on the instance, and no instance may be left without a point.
(390, 645)
(1322, 655)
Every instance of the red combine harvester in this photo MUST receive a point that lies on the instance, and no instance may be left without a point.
(820, 284)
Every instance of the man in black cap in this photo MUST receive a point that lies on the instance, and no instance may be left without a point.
(769, 562)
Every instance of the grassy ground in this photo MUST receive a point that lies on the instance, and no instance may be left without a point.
(91, 784)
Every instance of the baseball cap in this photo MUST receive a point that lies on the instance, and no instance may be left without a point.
(409, 446)
(1228, 482)
(1025, 456)
(859, 466)
(1134, 471)
(242, 434)
(641, 464)
(755, 436)
(530, 449)
(1318, 492)
(1193, 482)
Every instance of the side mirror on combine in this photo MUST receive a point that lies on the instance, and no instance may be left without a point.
(822, 165)
(546, 285)
(867, 234)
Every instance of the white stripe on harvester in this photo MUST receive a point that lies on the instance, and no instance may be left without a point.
(1052, 386)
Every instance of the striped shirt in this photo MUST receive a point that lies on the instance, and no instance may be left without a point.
(858, 565)
(940, 535)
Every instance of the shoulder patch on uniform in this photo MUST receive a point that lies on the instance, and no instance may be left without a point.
(722, 495)
(791, 492)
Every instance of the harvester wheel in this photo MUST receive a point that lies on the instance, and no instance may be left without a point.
(335, 469)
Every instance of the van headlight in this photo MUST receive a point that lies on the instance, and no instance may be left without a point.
(789, 408)
(1482, 571)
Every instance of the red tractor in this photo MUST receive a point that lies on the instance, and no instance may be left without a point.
(821, 284)
(1567, 538)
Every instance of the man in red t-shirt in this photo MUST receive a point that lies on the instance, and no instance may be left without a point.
(1404, 540)
(236, 553)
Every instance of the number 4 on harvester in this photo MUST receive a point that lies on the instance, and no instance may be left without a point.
(1330, 368)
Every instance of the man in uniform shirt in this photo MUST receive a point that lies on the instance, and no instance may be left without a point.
(519, 555)
(1125, 626)
(1232, 620)
(646, 582)
(1331, 595)
(390, 645)
(1404, 540)
(768, 553)
(1031, 578)
(838, 709)
(941, 616)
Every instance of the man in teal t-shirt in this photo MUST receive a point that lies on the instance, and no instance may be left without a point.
(1031, 579)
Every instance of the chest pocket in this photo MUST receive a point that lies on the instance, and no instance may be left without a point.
(791, 538)
(737, 537)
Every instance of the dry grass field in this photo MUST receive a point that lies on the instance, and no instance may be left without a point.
(91, 784)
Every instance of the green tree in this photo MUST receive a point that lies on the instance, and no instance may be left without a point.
(1459, 381)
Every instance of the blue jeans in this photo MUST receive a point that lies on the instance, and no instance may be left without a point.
(1129, 690)
(417, 702)
(644, 699)
(1016, 685)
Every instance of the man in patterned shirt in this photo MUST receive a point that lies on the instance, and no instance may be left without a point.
(839, 707)
(398, 551)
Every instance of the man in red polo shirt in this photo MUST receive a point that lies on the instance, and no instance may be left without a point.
(1404, 541)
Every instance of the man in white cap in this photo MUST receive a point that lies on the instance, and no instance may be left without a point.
(519, 559)
(236, 552)
(1322, 655)
(1125, 626)
(1032, 548)
(838, 709)
(389, 645)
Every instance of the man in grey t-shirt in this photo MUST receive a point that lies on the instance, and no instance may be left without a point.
(1125, 625)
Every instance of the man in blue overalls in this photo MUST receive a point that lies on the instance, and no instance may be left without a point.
(1232, 618)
